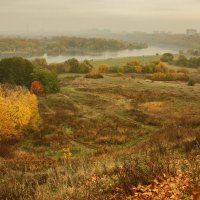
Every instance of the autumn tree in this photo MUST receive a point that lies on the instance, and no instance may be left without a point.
(18, 112)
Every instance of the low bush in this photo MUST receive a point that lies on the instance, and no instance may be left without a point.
(159, 76)
(113, 69)
(183, 70)
(161, 67)
(103, 68)
(192, 82)
(37, 88)
(94, 74)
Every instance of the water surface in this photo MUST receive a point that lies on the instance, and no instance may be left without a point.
(151, 50)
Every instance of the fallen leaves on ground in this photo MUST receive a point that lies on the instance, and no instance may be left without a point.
(164, 188)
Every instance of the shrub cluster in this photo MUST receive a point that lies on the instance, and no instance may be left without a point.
(134, 67)
(160, 71)
(47, 78)
(193, 62)
(177, 76)
(94, 74)
(35, 75)
(74, 66)
(70, 66)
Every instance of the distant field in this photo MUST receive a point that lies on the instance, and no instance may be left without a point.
(119, 61)
(141, 59)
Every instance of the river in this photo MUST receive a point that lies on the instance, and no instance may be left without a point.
(151, 50)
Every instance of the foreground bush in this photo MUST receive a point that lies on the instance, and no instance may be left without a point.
(18, 111)
(16, 71)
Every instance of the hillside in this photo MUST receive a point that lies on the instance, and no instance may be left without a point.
(119, 137)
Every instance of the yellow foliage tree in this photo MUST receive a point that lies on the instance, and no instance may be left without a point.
(18, 111)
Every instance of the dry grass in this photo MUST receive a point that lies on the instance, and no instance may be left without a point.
(121, 132)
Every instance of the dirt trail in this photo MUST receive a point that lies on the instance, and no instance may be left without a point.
(50, 111)
(85, 144)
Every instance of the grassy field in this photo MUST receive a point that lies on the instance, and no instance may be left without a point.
(141, 59)
(102, 137)
(120, 61)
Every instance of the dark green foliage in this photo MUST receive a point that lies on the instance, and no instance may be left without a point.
(76, 67)
(192, 82)
(167, 57)
(182, 61)
(150, 68)
(193, 62)
(85, 67)
(48, 78)
(113, 69)
(128, 68)
(16, 71)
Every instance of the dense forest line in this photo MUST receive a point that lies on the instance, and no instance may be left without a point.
(17, 46)
(166, 39)
(180, 40)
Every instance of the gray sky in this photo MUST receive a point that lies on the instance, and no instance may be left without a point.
(62, 16)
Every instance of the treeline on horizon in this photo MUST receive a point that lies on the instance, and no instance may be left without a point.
(165, 39)
(17, 46)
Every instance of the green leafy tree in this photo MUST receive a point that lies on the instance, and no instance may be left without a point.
(16, 71)
(167, 57)
(182, 61)
(74, 65)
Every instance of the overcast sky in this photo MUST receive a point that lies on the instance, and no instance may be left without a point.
(62, 16)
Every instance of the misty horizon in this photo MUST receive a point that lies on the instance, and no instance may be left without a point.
(28, 17)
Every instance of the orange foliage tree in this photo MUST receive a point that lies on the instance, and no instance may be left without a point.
(18, 111)
(37, 87)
